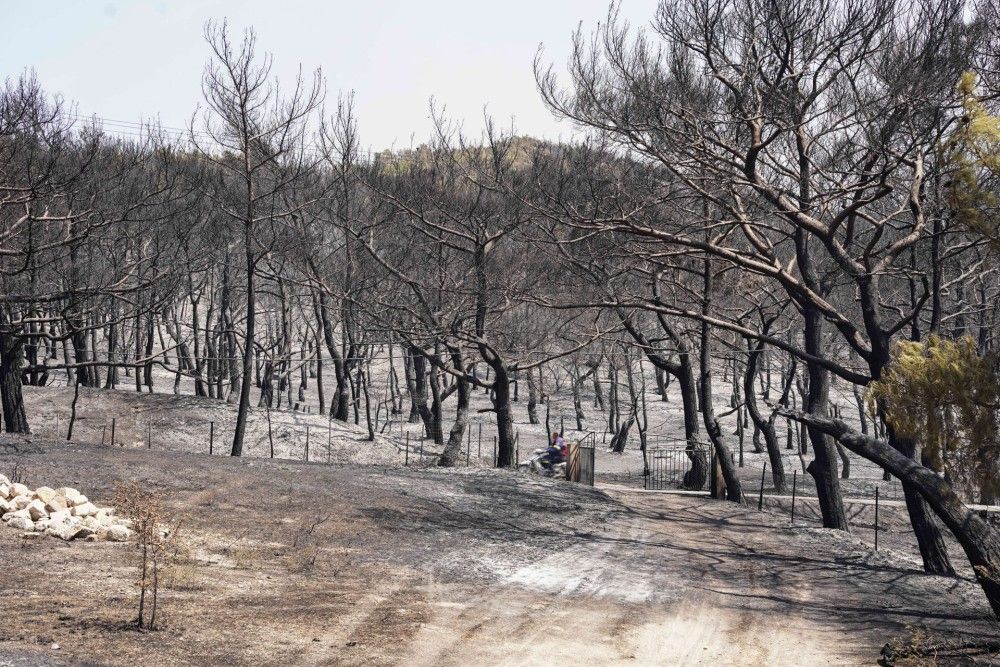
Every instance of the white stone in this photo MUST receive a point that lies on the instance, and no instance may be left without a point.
(84, 509)
(20, 490)
(56, 503)
(64, 531)
(22, 523)
(59, 516)
(42, 524)
(4, 480)
(70, 494)
(118, 534)
(45, 493)
(4, 491)
(36, 510)
(20, 502)
(15, 514)
(5, 507)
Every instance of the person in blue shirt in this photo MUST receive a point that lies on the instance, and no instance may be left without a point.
(554, 453)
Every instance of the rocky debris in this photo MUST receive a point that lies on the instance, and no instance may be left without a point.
(64, 513)
(116, 533)
(21, 523)
(72, 496)
(36, 510)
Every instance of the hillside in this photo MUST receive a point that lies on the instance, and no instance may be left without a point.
(343, 564)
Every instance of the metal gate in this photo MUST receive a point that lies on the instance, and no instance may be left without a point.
(581, 460)
(668, 467)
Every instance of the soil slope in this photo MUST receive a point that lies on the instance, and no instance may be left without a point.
(314, 564)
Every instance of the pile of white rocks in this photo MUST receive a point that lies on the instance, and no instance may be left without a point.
(64, 513)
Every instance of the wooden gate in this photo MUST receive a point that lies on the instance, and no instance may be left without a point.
(580, 467)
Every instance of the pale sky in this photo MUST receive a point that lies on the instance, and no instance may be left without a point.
(141, 59)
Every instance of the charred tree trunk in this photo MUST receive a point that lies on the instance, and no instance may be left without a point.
(419, 365)
(823, 467)
(248, 343)
(340, 405)
(723, 457)
(15, 419)
(453, 448)
(505, 422)
(532, 398)
(764, 426)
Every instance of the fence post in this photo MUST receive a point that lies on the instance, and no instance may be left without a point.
(307, 443)
(480, 450)
(760, 499)
(876, 518)
(494, 451)
(149, 433)
(406, 455)
(329, 436)
(113, 421)
(211, 436)
(795, 479)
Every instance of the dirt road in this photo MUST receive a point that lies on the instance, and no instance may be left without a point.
(311, 564)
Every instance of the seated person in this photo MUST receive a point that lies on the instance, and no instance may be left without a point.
(552, 456)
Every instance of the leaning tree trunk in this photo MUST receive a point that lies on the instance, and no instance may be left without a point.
(930, 540)
(979, 540)
(933, 549)
(764, 426)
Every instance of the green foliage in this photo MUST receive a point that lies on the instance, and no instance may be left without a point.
(945, 395)
(972, 152)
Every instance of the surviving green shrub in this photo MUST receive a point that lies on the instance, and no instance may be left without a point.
(945, 395)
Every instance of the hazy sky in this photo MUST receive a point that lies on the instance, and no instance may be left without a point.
(142, 59)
